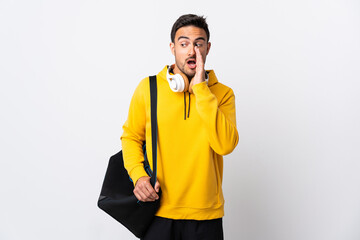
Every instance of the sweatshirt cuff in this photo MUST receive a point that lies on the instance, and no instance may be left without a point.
(137, 173)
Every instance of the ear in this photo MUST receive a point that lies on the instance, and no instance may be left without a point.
(172, 48)
(208, 48)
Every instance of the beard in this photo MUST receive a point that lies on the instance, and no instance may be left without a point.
(189, 75)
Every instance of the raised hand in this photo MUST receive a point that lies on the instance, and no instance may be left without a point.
(200, 71)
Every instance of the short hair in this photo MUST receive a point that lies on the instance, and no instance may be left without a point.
(190, 20)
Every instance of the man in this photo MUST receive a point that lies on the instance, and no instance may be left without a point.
(196, 126)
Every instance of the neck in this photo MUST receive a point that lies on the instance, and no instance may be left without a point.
(176, 70)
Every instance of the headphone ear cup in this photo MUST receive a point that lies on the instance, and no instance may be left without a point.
(177, 83)
(185, 81)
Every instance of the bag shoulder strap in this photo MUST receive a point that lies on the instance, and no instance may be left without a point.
(153, 110)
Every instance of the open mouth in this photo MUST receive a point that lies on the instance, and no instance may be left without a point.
(191, 63)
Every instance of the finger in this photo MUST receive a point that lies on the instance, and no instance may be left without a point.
(140, 195)
(147, 190)
(157, 186)
(141, 189)
(199, 59)
(137, 196)
(147, 196)
(151, 191)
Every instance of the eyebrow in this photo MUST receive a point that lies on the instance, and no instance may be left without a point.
(199, 38)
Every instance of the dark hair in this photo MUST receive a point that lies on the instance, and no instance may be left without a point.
(190, 20)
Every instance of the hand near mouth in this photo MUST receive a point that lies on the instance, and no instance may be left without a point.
(200, 71)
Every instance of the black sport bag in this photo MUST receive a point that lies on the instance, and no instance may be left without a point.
(117, 197)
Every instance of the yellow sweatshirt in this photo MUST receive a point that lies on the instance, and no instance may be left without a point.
(194, 131)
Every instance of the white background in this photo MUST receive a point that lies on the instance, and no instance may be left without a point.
(68, 70)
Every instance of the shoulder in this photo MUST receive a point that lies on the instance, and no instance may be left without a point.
(141, 91)
(142, 86)
(222, 92)
(144, 83)
(216, 87)
(220, 87)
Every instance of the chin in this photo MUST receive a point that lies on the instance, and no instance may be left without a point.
(190, 72)
(189, 75)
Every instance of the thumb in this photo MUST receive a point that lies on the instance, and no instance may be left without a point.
(157, 186)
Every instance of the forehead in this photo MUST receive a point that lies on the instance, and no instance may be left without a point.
(190, 32)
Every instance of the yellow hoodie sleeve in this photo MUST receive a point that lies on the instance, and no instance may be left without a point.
(219, 118)
(134, 135)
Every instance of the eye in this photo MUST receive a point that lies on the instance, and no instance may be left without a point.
(183, 44)
(198, 44)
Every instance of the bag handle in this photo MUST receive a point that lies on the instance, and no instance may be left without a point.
(153, 110)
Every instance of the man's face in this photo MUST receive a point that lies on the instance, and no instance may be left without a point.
(183, 48)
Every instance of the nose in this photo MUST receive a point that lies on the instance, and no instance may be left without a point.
(191, 51)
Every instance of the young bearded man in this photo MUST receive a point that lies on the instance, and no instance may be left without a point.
(196, 127)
